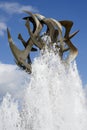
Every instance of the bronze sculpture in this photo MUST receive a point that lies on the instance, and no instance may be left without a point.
(54, 31)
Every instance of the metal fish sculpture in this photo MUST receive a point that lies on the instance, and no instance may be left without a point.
(54, 31)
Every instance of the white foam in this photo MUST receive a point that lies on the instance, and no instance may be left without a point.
(54, 99)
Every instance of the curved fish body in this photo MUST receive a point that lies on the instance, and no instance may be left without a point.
(59, 28)
(68, 25)
(26, 43)
(20, 55)
(38, 27)
(34, 39)
(50, 20)
(50, 26)
(73, 50)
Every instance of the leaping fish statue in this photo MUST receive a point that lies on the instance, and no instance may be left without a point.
(54, 31)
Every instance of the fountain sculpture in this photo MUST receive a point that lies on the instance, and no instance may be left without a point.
(54, 31)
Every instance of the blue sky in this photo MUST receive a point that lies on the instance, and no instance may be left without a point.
(11, 16)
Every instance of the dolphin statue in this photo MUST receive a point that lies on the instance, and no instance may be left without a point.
(73, 50)
(20, 55)
(25, 45)
(39, 44)
(37, 23)
(50, 26)
(37, 30)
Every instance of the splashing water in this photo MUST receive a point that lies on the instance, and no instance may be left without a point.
(54, 99)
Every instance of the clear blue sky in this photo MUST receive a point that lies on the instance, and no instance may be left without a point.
(11, 17)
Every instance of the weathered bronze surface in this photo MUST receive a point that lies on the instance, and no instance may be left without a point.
(60, 39)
